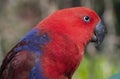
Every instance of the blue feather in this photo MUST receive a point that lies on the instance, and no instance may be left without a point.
(33, 41)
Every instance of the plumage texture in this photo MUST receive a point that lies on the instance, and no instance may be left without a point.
(53, 49)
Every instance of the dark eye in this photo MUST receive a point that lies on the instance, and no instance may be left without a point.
(86, 18)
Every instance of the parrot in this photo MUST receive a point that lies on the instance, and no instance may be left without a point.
(55, 47)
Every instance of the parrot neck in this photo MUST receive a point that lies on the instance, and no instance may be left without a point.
(61, 57)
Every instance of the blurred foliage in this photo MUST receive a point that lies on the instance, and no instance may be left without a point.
(17, 17)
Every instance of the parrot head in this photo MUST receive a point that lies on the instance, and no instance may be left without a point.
(70, 30)
(80, 24)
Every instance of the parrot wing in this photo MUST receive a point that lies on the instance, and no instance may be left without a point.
(17, 65)
(22, 61)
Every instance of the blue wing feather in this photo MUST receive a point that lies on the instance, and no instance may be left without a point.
(33, 40)
(35, 72)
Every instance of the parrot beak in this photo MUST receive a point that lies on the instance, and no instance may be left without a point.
(99, 34)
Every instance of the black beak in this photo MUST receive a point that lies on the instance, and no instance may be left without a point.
(99, 34)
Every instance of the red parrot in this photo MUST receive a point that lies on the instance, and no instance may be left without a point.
(55, 47)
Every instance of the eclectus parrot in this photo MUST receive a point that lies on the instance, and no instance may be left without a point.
(55, 47)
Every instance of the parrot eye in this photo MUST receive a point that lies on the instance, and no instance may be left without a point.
(86, 18)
